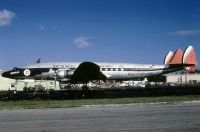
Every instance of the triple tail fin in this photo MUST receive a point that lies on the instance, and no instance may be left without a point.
(187, 60)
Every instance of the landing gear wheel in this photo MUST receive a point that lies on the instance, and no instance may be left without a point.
(85, 91)
(85, 88)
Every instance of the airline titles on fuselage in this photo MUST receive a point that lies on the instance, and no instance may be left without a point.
(64, 66)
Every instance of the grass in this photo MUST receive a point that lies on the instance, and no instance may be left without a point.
(35, 104)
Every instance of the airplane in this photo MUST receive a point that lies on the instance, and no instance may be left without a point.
(83, 72)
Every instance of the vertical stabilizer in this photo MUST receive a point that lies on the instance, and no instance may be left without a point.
(177, 58)
(168, 57)
(189, 58)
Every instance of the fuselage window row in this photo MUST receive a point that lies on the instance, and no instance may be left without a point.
(112, 69)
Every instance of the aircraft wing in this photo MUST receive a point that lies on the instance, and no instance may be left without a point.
(87, 71)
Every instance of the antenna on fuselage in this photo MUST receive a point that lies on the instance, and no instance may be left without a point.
(39, 60)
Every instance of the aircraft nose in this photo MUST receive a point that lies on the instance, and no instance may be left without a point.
(13, 74)
(6, 74)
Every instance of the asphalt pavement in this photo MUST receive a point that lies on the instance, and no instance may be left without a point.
(179, 117)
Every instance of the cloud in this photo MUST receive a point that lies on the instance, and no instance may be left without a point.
(185, 33)
(81, 42)
(6, 17)
(42, 27)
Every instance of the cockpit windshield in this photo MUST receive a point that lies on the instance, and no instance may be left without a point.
(15, 69)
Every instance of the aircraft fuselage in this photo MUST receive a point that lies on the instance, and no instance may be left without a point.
(113, 71)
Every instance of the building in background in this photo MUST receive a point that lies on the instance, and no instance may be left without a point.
(183, 78)
(13, 85)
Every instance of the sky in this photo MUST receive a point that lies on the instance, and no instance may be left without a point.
(133, 31)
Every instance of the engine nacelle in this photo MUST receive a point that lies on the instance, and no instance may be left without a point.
(61, 74)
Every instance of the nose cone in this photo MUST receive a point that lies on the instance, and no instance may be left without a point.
(13, 74)
(6, 74)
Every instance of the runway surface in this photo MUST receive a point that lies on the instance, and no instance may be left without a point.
(179, 117)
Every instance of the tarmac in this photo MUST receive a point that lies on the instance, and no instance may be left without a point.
(179, 117)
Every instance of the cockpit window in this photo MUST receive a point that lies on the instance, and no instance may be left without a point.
(15, 68)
